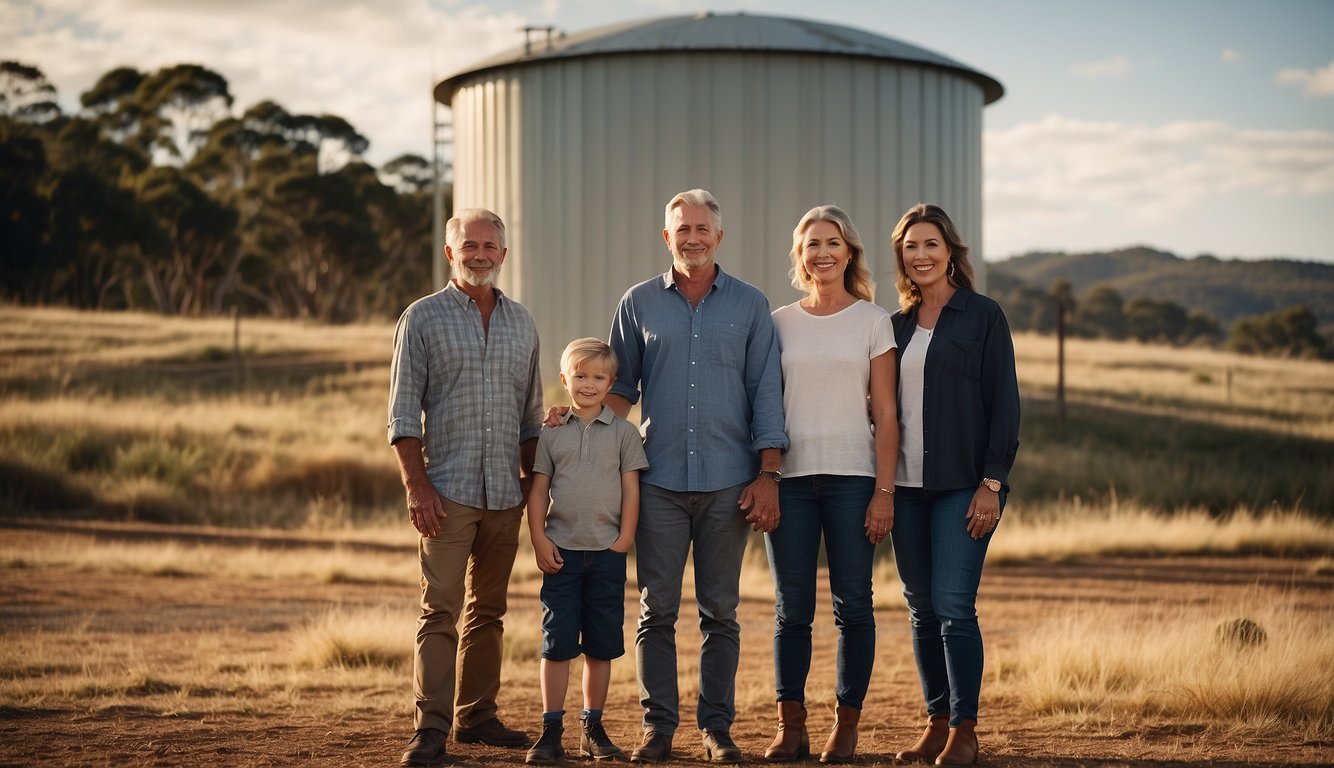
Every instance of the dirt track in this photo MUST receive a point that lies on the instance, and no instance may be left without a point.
(328, 724)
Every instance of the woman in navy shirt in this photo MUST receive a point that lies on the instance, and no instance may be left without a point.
(959, 427)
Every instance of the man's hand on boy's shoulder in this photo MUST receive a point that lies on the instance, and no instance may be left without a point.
(556, 415)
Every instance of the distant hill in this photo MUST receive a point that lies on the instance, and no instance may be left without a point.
(1225, 288)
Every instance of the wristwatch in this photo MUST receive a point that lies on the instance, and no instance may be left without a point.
(772, 474)
(992, 485)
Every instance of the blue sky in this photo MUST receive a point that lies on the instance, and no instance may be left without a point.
(1196, 126)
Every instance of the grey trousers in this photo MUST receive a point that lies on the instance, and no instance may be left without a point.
(670, 523)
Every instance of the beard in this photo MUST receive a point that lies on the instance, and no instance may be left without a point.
(467, 275)
(684, 261)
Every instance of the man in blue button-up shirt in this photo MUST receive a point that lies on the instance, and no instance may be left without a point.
(699, 347)
(465, 410)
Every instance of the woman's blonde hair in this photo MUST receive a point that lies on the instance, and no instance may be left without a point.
(960, 270)
(856, 278)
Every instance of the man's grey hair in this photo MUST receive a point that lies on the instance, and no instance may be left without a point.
(694, 197)
(454, 227)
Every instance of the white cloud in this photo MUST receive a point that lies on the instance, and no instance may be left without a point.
(1317, 83)
(1109, 67)
(373, 64)
(1231, 55)
(1061, 173)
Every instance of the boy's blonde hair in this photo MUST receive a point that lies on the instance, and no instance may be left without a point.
(580, 353)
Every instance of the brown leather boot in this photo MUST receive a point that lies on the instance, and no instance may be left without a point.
(792, 741)
(931, 743)
(842, 744)
(961, 747)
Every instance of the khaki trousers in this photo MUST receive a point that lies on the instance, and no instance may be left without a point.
(465, 574)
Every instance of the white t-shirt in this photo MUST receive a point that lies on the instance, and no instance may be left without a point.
(826, 380)
(912, 361)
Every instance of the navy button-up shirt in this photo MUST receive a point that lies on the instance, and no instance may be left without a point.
(710, 379)
(970, 393)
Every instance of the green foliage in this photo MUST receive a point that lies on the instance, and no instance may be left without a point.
(155, 196)
(1223, 289)
(1288, 333)
(1101, 314)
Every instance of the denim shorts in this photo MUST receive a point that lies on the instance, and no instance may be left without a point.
(585, 600)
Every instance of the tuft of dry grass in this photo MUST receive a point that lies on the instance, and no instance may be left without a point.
(1172, 661)
(350, 638)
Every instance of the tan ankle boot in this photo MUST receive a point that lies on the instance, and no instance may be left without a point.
(792, 741)
(842, 744)
(961, 746)
(931, 743)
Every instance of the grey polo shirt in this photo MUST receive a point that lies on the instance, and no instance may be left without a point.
(585, 463)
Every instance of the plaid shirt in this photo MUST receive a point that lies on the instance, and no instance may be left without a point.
(481, 394)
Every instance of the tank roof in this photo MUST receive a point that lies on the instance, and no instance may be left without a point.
(715, 32)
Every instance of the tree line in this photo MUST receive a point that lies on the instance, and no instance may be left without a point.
(156, 196)
(1102, 313)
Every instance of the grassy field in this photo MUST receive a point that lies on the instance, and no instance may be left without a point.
(137, 417)
(195, 551)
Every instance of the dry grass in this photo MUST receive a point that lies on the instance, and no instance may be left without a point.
(1056, 532)
(341, 638)
(1178, 662)
(331, 565)
(1291, 397)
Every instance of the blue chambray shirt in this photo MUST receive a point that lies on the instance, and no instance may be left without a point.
(711, 383)
(481, 394)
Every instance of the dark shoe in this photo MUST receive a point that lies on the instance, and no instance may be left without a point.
(594, 743)
(492, 733)
(931, 742)
(719, 748)
(427, 748)
(961, 746)
(657, 747)
(842, 744)
(792, 742)
(548, 749)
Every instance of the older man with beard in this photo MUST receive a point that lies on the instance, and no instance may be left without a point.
(465, 358)
(699, 345)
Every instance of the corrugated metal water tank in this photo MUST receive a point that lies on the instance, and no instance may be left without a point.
(579, 143)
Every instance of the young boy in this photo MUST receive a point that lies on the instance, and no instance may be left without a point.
(587, 470)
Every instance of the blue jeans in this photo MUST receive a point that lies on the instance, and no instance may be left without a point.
(671, 525)
(941, 566)
(834, 505)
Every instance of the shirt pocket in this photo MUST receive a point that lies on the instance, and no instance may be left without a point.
(726, 344)
(964, 358)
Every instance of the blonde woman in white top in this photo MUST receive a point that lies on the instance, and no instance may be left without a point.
(837, 350)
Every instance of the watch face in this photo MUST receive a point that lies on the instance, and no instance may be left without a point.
(992, 485)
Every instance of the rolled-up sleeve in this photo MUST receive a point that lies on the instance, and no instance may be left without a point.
(764, 384)
(407, 381)
(626, 341)
(531, 424)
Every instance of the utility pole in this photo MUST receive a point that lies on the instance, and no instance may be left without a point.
(1060, 358)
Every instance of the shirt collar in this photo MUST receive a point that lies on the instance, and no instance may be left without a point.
(720, 278)
(605, 415)
(453, 291)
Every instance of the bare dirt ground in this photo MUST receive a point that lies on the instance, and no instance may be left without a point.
(341, 719)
